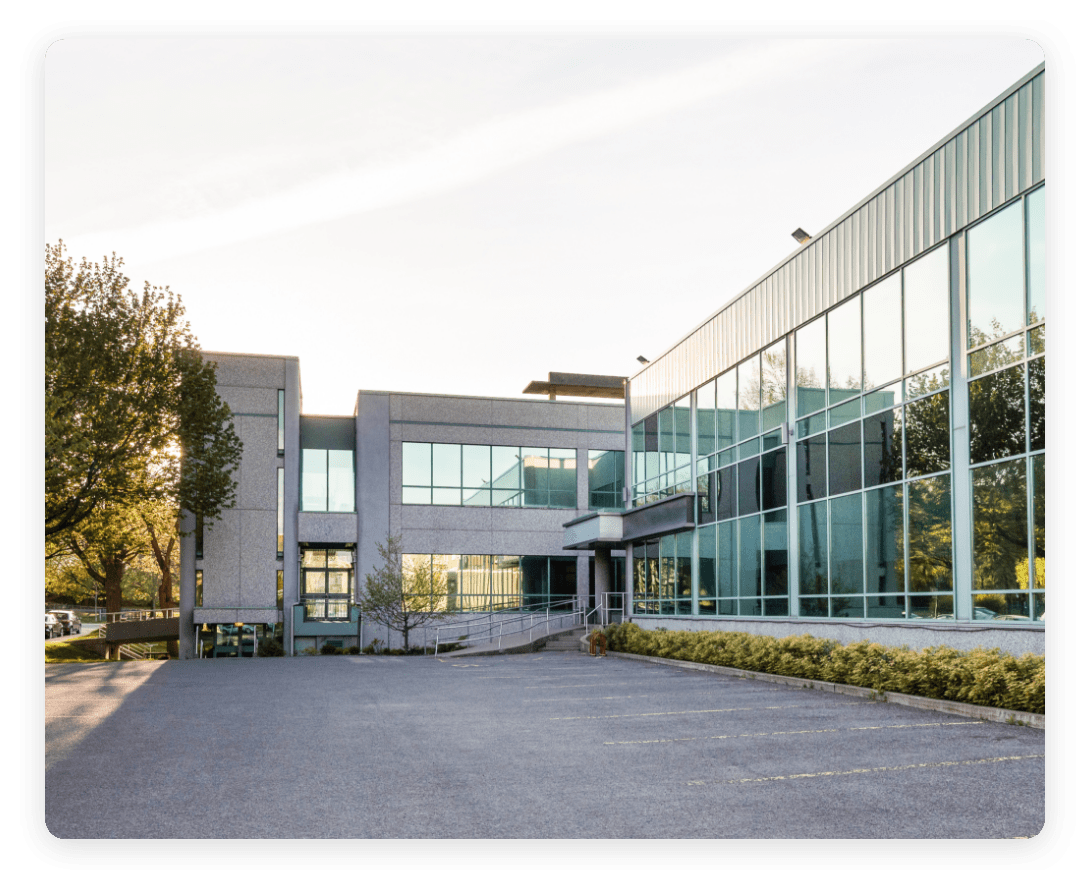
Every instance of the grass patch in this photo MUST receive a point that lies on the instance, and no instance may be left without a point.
(73, 649)
(986, 677)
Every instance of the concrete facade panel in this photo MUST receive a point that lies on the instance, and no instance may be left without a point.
(257, 473)
(443, 409)
(251, 400)
(258, 563)
(462, 518)
(529, 543)
(230, 616)
(221, 560)
(249, 370)
(327, 528)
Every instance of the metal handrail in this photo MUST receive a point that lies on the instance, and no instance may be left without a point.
(515, 612)
(534, 617)
(138, 615)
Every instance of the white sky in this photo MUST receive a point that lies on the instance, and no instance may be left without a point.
(464, 214)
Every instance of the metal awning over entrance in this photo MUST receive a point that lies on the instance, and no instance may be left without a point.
(596, 530)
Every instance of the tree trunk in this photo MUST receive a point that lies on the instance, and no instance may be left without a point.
(113, 572)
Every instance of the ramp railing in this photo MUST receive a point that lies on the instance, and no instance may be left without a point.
(555, 615)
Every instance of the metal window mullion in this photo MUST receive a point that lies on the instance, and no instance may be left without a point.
(792, 485)
(961, 493)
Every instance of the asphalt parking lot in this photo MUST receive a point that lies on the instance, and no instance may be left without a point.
(547, 745)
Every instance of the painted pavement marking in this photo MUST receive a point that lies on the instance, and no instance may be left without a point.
(753, 735)
(673, 713)
(872, 769)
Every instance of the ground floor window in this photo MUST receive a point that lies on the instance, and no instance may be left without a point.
(487, 582)
(235, 640)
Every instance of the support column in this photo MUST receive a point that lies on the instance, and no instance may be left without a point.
(602, 582)
(961, 495)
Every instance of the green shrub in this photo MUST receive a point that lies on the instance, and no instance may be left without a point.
(329, 647)
(353, 650)
(270, 648)
(981, 677)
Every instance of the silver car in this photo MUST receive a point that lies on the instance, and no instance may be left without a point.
(52, 626)
(69, 621)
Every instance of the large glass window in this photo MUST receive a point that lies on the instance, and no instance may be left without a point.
(279, 511)
(996, 276)
(810, 367)
(845, 345)
(927, 310)
(774, 386)
(326, 584)
(1035, 255)
(280, 421)
(882, 361)
(606, 479)
(328, 481)
(500, 475)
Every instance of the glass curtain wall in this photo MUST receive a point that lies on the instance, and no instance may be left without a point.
(1006, 360)
(872, 484)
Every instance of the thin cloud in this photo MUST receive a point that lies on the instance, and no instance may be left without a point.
(469, 157)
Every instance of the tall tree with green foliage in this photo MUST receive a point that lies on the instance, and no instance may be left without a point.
(132, 416)
(401, 594)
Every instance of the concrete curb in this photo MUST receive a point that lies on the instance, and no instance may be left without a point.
(978, 712)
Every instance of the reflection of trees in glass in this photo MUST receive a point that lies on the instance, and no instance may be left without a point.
(927, 435)
(1037, 404)
(930, 550)
(1000, 533)
(997, 426)
(928, 381)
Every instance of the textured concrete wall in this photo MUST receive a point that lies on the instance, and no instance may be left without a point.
(373, 475)
(960, 634)
(239, 561)
(327, 528)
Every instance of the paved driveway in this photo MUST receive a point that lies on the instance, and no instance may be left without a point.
(523, 746)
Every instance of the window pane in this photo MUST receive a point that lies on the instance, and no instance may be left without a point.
(728, 549)
(775, 554)
(749, 486)
(811, 468)
(930, 560)
(929, 381)
(280, 420)
(845, 351)
(1039, 522)
(846, 545)
(1000, 355)
(476, 466)
(813, 550)
(1000, 533)
(682, 434)
(845, 459)
(505, 467)
(774, 479)
(562, 477)
(927, 310)
(684, 569)
(726, 400)
(1035, 255)
(415, 463)
(705, 499)
(314, 475)
(749, 556)
(882, 448)
(1037, 404)
(416, 495)
(342, 482)
(705, 576)
(727, 507)
(666, 439)
(279, 510)
(705, 419)
(810, 367)
(927, 435)
(997, 415)
(996, 303)
(447, 465)
(535, 477)
(882, 332)
(749, 397)
(774, 385)
(885, 540)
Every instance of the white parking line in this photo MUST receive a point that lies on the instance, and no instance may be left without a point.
(753, 735)
(873, 769)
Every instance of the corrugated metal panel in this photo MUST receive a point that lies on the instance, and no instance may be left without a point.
(985, 163)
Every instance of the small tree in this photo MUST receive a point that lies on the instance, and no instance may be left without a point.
(399, 596)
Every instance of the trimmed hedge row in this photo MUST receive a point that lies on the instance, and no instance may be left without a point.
(987, 677)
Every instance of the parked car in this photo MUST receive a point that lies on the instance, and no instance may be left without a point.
(70, 621)
(52, 626)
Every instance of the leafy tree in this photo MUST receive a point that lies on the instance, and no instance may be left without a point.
(107, 543)
(402, 594)
(132, 416)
